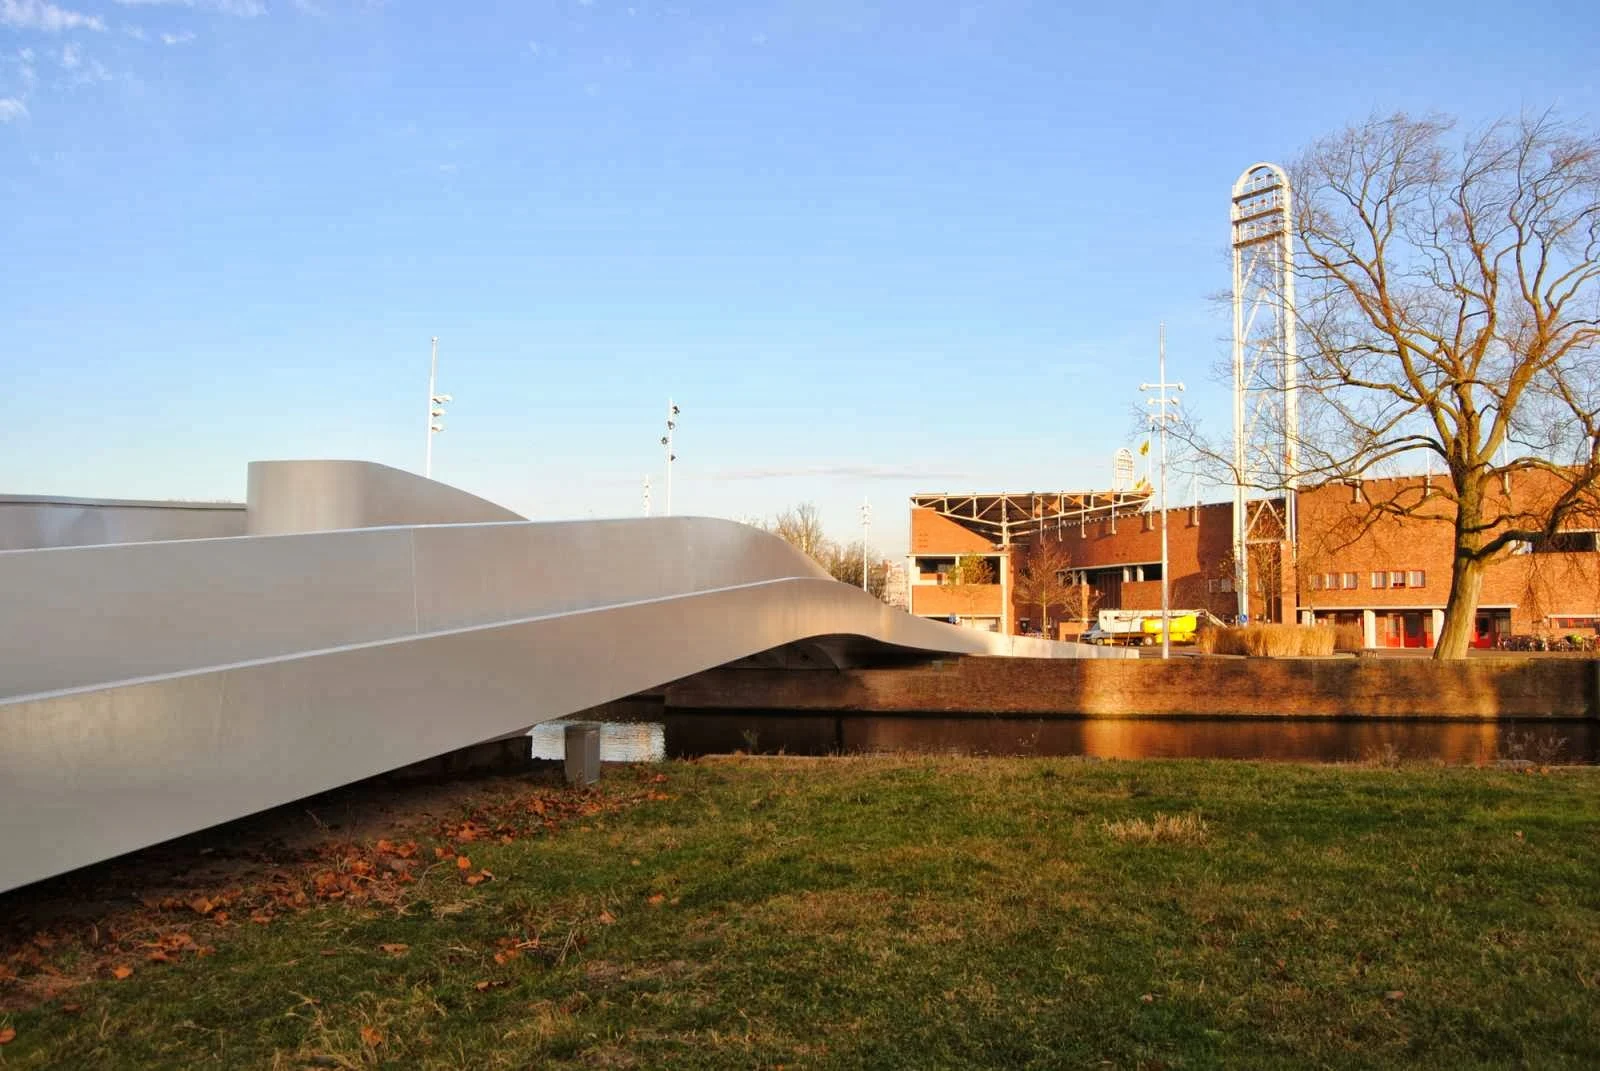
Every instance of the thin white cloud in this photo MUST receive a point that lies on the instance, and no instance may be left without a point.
(71, 59)
(46, 17)
(240, 9)
(309, 8)
(857, 472)
(177, 38)
(89, 74)
(135, 32)
(12, 109)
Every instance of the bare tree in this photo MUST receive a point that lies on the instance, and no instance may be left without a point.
(801, 528)
(1449, 313)
(844, 563)
(1043, 576)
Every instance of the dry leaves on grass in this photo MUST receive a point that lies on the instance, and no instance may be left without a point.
(8, 1034)
(173, 946)
(41, 965)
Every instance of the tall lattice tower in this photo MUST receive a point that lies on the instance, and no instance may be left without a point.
(1265, 367)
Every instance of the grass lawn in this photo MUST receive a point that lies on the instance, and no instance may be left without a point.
(878, 912)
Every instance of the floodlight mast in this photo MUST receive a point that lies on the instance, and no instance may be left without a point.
(666, 441)
(1265, 359)
(1164, 413)
(435, 409)
(866, 524)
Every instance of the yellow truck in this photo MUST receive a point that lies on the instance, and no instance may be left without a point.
(1142, 628)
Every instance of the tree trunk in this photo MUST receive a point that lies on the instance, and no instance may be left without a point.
(1461, 610)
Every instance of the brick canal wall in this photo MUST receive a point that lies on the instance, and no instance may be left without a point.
(1335, 687)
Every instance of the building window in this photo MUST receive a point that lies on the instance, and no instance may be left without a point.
(1316, 581)
(1348, 581)
(1380, 580)
(1397, 580)
(1416, 578)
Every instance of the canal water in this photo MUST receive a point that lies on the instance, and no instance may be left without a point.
(688, 734)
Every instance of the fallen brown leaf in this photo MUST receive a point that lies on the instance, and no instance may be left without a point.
(371, 1036)
(122, 972)
(8, 1035)
(395, 949)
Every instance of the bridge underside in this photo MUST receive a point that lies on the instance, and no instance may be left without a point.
(367, 620)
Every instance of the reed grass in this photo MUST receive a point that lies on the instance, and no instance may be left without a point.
(1280, 641)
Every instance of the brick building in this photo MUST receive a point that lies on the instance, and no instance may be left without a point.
(1390, 574)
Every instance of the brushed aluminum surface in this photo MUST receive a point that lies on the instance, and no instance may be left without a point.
(153, 689)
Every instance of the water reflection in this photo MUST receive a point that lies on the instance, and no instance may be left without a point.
(689, 734)
(619, 741)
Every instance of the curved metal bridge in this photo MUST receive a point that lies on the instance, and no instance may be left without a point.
(189, 667)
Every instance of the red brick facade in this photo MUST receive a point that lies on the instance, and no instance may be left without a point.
(1343, 549)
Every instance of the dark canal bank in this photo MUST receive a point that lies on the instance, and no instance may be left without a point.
(688, 734)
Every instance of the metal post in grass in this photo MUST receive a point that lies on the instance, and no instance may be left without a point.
(582, 753)
(1163, 414)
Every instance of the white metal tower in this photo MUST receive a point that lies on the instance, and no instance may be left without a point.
(1265, 363)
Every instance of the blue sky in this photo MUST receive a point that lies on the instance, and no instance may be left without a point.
(871, 249)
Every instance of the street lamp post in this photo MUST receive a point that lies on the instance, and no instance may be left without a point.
(666, 441)
(1163, 414)
(435, 409)
(866, 523)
